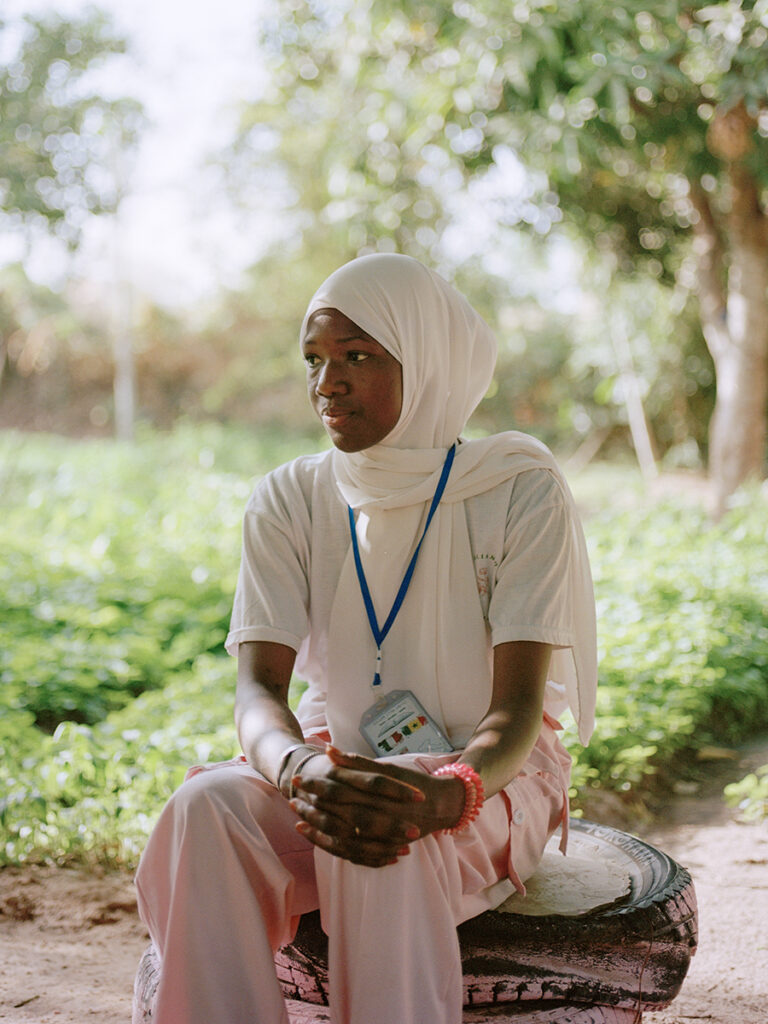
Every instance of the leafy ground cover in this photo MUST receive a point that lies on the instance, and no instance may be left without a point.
(750, 795)
(115, 589)
(682, 610)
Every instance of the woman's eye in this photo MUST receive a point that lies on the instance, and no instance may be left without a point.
(357, 357)
(310, 359)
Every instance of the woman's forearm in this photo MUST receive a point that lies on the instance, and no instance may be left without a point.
(504, 738)
(500, 746)
(266, 726)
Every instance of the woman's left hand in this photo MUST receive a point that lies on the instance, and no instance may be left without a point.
(321, 802)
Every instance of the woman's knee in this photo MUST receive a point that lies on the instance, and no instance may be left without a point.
(220, 794)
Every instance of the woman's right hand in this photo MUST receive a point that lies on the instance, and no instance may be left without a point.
(356, 813)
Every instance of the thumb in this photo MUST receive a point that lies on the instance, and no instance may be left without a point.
(347, 760)
(360, 763)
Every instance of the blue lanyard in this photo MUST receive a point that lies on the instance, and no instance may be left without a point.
(380, 634)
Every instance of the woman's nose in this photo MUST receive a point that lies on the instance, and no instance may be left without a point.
(330, 381)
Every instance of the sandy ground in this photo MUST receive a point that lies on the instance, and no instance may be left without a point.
(70, 940)
(728, 979)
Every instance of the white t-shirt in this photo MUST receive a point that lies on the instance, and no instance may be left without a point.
(296, 538)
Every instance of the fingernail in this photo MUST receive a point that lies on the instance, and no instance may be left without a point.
(413, 832)
(404, 851)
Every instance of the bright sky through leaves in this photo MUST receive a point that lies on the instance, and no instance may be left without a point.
(190, 64)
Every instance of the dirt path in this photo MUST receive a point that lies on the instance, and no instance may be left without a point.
(70, 941)
(728, 979)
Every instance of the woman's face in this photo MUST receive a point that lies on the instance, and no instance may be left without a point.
(355, 385)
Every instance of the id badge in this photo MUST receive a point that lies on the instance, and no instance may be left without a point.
(398, 724)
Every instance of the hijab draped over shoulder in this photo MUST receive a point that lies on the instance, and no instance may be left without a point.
(438, 646)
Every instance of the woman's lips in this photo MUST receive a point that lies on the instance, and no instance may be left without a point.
(336, 417)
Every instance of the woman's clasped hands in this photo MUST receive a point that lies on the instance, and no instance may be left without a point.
(368, 811)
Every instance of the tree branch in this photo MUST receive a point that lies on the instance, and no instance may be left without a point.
(710, 250)
(748, 273)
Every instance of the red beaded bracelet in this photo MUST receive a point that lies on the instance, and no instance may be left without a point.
(474, 794)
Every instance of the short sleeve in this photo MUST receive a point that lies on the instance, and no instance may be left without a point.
(531, 598)
(272, 595)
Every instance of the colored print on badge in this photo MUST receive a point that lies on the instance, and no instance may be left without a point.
(398, 724)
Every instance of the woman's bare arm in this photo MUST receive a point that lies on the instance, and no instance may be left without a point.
(266, 726)
(503, 740)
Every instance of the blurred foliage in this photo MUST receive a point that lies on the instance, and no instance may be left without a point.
(59, 135)
(557, 373)
(121, 564)
(642, 128)
(682, 608)
(55, 360)
(379, 110)
(555, 162)
(750, 795)
(563, 373)
(92, 793)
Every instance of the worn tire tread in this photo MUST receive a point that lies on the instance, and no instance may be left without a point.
(524, 979)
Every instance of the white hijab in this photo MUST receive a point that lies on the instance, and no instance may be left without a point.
(438, 646)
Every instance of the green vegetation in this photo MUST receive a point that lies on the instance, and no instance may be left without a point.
(118, 570)
(115, 589)
(750, 795)
(683, 635)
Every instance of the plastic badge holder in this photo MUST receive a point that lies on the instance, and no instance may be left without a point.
(399, 724)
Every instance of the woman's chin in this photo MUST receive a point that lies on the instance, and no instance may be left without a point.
(346, 444)
(349, 440)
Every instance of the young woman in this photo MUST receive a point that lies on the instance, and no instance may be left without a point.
(435, 594)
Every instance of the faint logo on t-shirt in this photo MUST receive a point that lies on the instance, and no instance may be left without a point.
(485, 570)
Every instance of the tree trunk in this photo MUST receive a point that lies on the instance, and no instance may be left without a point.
(124, 384)
(124, 380)
(735, 324)
(633, 402)
(738, 428)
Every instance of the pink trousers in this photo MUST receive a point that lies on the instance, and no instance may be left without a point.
(225, 878)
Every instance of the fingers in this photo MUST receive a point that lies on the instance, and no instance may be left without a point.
(349, 760)
(370, 843)
(408, 778)
(357, 809)
(373, 778)
(368, 855)
(358, 795)
(350, 821)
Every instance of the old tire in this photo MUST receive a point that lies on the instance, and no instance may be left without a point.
(300, 1012)
(633, 954)
(511, 1013)
(602, 967)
